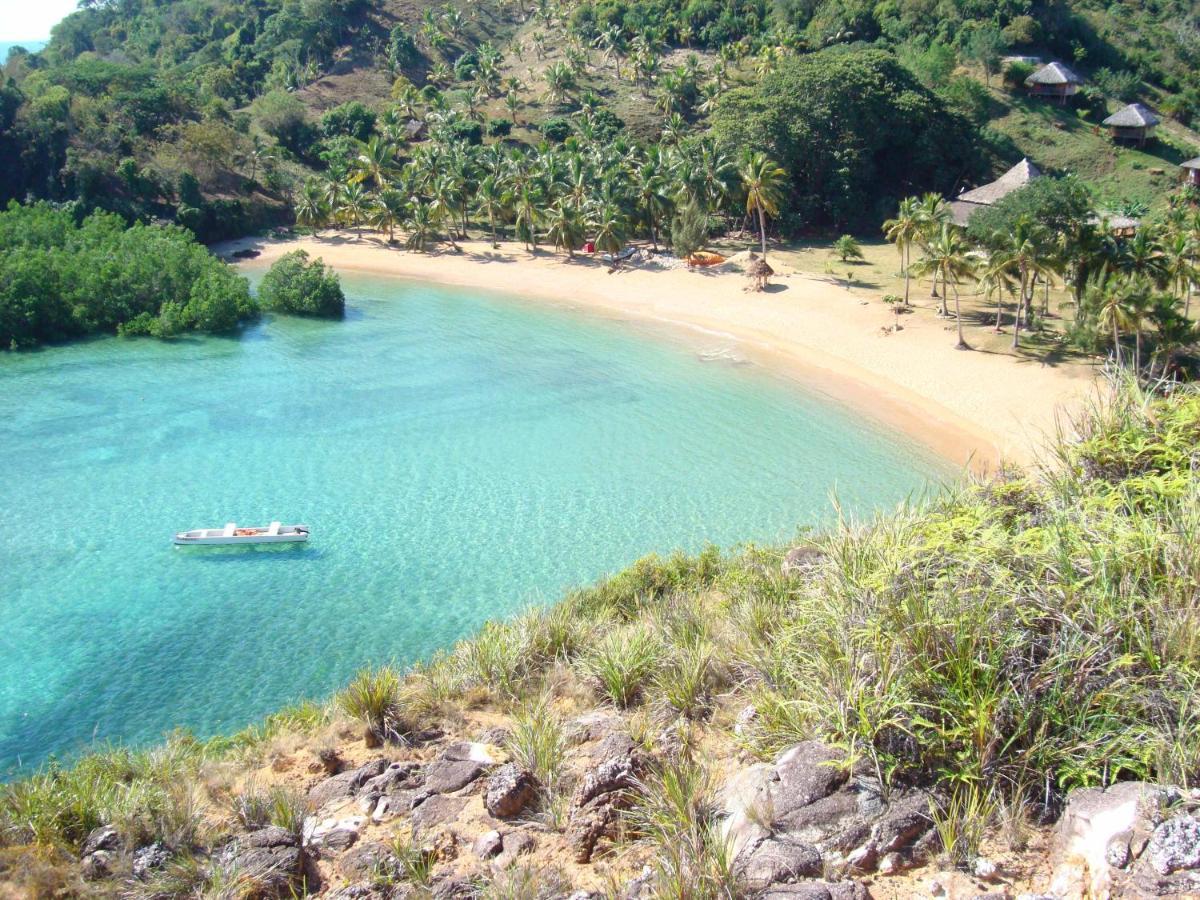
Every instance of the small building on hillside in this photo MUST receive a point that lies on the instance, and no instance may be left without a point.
(1054, 80)
(1134, 124)
(966, 204)
(1191, 171)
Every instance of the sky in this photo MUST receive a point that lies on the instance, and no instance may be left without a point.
(31, 20)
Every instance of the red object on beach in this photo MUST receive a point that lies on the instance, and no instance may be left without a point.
(589, 247)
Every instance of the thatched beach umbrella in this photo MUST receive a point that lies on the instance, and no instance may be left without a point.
(758, 271)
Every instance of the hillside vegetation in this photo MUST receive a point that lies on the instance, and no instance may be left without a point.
(213, 112)
(996, 645)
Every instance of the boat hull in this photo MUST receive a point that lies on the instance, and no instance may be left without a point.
(249, 539)
(229, 535)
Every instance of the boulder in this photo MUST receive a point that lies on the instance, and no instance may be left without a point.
(97, 865)
(397, 776)
(1097, 825)
(363, 890)
(591, 726)
(147, 859)
(336, 835)
(808, 772)
(469, 751)
(103, 838)
(1175, 845)
(603, 792)
(366, 859)
(816, 890)
(747, 813)
(800, 560)
(271, 858)
(514, 844)
(445, 776)
(487, 845)
(509, 790)
(344, 785)
(437, 810)
(777, 861)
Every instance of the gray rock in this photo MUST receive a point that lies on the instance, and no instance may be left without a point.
(468, 751)
(147, 859)
(592, 726)
(487, 845)
(777, 861)
(509, 790)
(640, 887)
(801, 559)
(270, 857)
(514, 844)
(808, 772)
(97, 865)
(1175, 845)
(496, 736)
(1094, 825)
(437, 810)
(344, 785)
(445, 776)
(367, 859)
(363, 890)
(397, 776)
(103, 838)
(605, 790)
(816, 890)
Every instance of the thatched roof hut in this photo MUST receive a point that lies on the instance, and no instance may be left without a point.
(759, 271)
(970, 202)
(1134, 123)
(1054, 80)
(1191, 171)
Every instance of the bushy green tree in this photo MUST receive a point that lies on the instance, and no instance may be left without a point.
(301, 286)
(854, 131)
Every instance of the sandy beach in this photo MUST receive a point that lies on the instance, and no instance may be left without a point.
(974, 408)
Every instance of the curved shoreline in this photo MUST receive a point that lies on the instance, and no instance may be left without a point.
(974, 409)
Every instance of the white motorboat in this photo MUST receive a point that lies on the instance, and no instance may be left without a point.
(275, 533)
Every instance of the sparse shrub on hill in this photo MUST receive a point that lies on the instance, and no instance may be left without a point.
(301, 286)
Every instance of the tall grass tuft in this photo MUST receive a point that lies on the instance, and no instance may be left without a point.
(373, 698)
(676, 816)
(623, 664)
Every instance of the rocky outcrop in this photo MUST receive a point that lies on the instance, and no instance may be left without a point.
(809, 814)
(604, 791)
(147, 860)
(271, 858)
(1130, 839)
(509, 790)
(345, 785)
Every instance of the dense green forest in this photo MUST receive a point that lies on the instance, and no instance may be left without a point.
(212, 113)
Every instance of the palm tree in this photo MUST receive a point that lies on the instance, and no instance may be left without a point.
(355, 206)
(375, 162)
(651, 191)
(490, 202)
(1019, 252)
(445, 198)
(1172, 328)
(419, 223)
(389, 210)
(1105, 293)
(1179, 265)
(933, 213)
(762, 180)
(902, 231)
(525, 206)
(564, 227)
(847, 248)
(310, 206)
(610, 223)
(948, 256)
(1142, 255)
(560, 81)
(995, 279)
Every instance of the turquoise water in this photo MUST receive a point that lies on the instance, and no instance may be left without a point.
(456, 456)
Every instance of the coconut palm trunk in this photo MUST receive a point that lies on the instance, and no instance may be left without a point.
(762, 231)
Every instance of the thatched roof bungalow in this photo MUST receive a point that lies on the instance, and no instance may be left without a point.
(970, 202)
(1135, 124)
(1191, 171)
(1054, 80)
